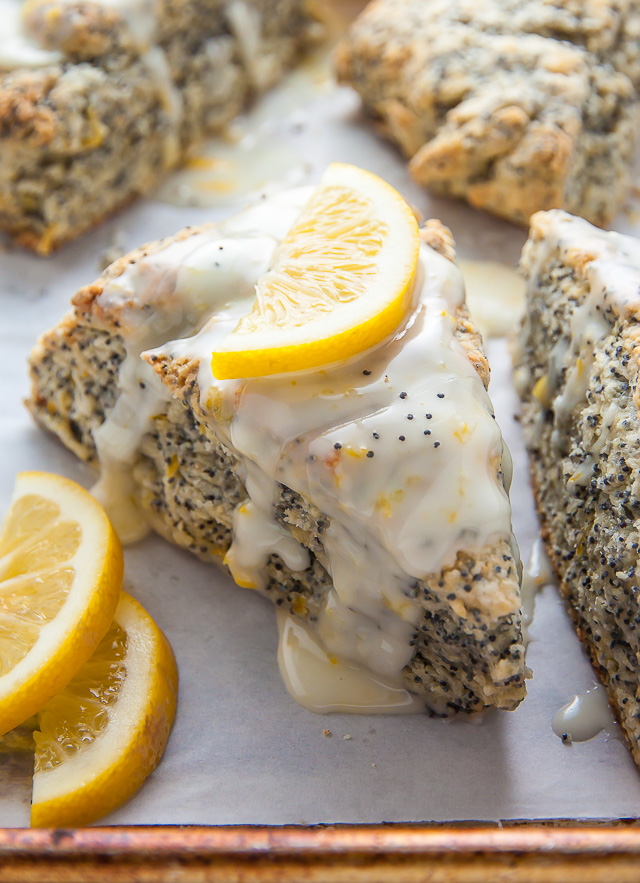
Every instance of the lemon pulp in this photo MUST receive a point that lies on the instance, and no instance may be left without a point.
(73, 719)
(36, 575)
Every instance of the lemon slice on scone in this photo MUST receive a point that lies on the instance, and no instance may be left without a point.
(107, 730)
(60, 578)
(341, 281)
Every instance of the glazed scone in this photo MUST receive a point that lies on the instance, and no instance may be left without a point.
(513, 105)
(367, 500)
(99, 99)
(577, 362)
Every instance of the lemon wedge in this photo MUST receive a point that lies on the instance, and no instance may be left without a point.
(107, 730)
(60, 578)
(341, 282)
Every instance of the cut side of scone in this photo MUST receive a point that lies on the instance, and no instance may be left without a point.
(577, 362)
(513, 105)
(99, 100)
(366, 497)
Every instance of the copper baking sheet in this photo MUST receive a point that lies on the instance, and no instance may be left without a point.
(393, 854)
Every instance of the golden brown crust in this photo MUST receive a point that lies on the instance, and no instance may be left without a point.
(440, 238)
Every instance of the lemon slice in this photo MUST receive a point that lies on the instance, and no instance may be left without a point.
(106, 731)
(60, 578)
(341, 282)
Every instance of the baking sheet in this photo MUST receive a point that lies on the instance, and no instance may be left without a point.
(242, 751)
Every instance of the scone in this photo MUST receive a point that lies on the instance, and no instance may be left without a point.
(366, 498)
(577, 362)
(98, 100)
(513, 105)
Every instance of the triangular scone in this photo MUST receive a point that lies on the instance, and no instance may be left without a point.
(512, 105)
(99, 100)
(577, 364)
(367, 500)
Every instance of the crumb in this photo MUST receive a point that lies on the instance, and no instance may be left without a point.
(346, 737)
(326, 732)
(374, 766)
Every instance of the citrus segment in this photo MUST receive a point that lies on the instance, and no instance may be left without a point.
(60, 577)
(107, 730)
(341, 282)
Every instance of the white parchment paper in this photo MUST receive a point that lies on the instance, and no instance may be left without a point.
(242, 751)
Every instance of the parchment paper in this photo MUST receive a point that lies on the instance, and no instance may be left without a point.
(242, 751)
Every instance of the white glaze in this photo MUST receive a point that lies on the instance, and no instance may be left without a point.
(118, 439)
(264, 150)
(395, 517)
(586, 715)
(257, 536)
(225, 170)
(140, 17)
(244, 22)
(169, 294)
(157, 64)
(323, 683)
(495, 296)
(611, 267)
(17, 47)
(537, 574)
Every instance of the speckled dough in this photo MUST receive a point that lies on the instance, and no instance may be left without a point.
(581, 397)
(82, 137)
(468, 644)
(513, 105)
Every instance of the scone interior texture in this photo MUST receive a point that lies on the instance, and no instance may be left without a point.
(100, 99)
(513, 105)
(577, 363)
(367, 499)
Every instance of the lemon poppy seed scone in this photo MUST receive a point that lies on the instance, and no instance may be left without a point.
(512, 105)
(577, 364)
(99, 99)
(363, 493)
